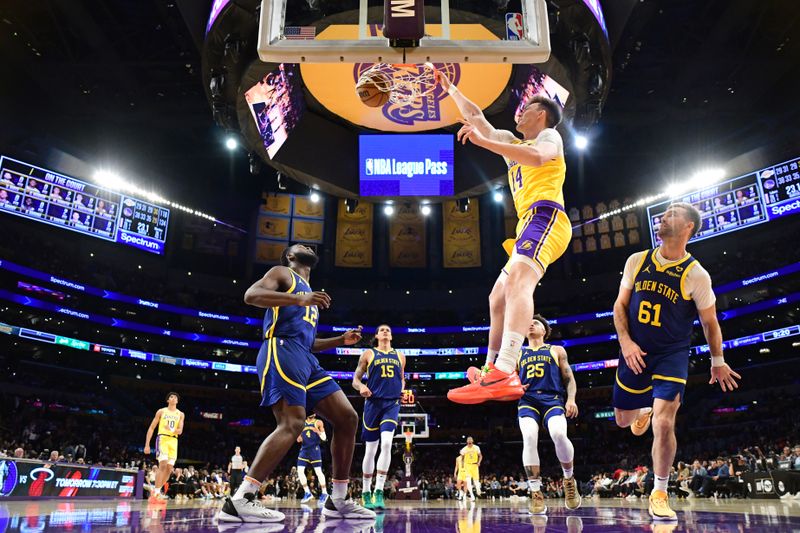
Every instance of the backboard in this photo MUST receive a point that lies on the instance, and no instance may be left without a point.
(351, 31)
(417, 421)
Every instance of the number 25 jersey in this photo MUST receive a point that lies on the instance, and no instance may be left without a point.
(661, 312)
(293, 321)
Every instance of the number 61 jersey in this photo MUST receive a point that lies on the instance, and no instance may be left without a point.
(293, 321)
(661, 312)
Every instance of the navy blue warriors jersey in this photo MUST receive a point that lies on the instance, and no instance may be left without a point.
(293, 321)
(660, 314)
(540, 371)
(310, 436)
(385, 375)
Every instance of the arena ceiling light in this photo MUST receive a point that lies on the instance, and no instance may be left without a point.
(314, 197)
(581, 142)
(426, 210)
(112, 180)
(498, 196)
(388, 210)
(231, 143)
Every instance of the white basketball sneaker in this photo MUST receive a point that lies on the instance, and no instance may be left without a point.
(248, 509)
(346, 509)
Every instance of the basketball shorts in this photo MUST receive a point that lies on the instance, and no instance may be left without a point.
(471, 471)
(289, 371)
(462, 475)
(380, 414)
(664, 377)
(542, 236)
(540, 406)
(167, 449)
(311, 456)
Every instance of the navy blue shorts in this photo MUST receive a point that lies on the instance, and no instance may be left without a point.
(289, 371)
(664, 377)
(540, 406)
(379, 415)
(311, 456)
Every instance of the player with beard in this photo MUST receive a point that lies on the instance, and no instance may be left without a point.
(293, 383)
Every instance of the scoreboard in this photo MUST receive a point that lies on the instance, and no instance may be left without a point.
(46, 196)
(740, 202)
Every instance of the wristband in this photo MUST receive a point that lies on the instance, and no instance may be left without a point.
(717, 361)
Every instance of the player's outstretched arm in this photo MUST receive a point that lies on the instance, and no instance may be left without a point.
(633, 354)
(402, 370)
(361, 369)
(524, 154)
(471, 112)
(720, 372)
(568, 379)
(349, 338)
(150, 431)
(271, 291)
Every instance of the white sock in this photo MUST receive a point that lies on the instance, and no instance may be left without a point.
(660, 483)
(248, 485)
(567, 472)
(339, 489)
(380, 481)
(321, 478)
(508, 355)
(535, 484)
(491, 355)
(366, 483)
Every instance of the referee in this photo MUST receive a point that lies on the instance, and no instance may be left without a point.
(236, 469)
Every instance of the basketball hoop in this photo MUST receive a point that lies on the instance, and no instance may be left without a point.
(404, 83)
(409, 435)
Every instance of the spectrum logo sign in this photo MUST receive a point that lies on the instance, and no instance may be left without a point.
(787, 208)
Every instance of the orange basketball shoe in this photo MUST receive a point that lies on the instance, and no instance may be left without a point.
(493, 385)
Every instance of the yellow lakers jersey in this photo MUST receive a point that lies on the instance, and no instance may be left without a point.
(545, 182)
(470, 455)
(168, 425)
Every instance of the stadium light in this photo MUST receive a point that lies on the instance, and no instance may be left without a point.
(426, 210)
(581, 142)
(231, 143)
(314, 197)
(498, 196)
(388, 210)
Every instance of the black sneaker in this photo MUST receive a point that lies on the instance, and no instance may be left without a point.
(346, 509)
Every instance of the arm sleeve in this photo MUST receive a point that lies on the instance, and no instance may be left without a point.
(550, 135)
(630, 269)
(698, 284)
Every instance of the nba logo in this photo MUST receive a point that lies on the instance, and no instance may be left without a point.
(368, 170)
(513, 26)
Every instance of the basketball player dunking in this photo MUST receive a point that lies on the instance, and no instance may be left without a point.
(661, 292)
(169, 421)
(385, 369)
(292, 382)
(536, 172)
(310, 456)
(545, 373)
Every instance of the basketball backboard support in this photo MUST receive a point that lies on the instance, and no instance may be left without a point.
(532, 46)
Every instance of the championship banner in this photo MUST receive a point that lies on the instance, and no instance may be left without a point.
(354, 236)
(305, 208)
(24, 478)
(276, 204)
(407, 238)
(333, 84)
(269, 252)
(309, 231)
(461, 236)
(273, 228)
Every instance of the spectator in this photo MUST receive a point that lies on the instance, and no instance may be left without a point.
(19, 453)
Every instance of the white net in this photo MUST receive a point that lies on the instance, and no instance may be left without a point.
(404, 83)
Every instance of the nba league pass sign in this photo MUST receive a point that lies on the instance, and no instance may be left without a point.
(406, 165)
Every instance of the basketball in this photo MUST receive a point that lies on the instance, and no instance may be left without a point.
(370, 94)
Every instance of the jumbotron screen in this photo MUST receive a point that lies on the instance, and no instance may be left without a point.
(741, 202)
(43, 195)
(406, 165)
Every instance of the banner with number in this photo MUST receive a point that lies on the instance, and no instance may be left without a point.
(461, 236)
(309, 231)
(276, 204)
(270, 227)
(305, 208)
(269, 252)
(407, 238)
(354, 236)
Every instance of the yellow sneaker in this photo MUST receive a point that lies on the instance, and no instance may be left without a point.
(641, 424)
(659, 506)
(572, 498)
(537, 506)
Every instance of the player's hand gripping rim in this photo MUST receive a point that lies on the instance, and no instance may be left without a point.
(725, 376)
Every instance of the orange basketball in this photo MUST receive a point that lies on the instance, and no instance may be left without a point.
(371, 95)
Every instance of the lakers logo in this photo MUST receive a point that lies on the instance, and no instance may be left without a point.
(525, 245)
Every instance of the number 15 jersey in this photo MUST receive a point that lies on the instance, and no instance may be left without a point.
(293, 321)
